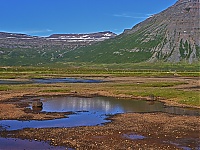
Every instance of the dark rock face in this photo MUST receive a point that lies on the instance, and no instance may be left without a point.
(178, 31)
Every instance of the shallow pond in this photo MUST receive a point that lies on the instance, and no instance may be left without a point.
(65, 80)
(49, 81)
(88, 112)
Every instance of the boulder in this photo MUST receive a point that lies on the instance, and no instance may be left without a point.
(37, 104)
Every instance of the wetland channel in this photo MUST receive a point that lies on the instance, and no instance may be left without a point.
(50, 81)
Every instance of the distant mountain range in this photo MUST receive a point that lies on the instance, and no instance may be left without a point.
(22, 49)
(61, 41)
(170, 36)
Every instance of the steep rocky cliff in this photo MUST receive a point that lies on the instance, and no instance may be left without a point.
(177, 31)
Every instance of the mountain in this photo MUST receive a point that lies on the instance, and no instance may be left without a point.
(61, 41)
(171, 36)
(90, 37)
(22, 49)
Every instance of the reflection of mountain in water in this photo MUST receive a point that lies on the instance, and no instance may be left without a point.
(182, 111)
(94, 111)
(110, 105)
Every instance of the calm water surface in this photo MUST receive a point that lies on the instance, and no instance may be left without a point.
(53, 80)
(17, 144)
(88, 112)
(91, 111)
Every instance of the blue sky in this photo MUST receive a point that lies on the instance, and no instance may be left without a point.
(45, 17)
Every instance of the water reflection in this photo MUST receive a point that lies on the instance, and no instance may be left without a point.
(107, 105)
(65, 80)
(37, 109)
(14, 82)
(16, 144)
(134, 136)
(91, 111)
(49, 81)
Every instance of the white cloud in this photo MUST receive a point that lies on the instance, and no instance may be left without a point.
(29, 31)
(37, 31)
(134, 16)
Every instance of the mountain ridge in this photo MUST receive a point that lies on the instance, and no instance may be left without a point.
(22, 49)
(60, 40)
(180, 31)
(170, 36)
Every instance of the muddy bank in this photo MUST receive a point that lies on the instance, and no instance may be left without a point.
(14, 109)
(126, 131)
(21, 108)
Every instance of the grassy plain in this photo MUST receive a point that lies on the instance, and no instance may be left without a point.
(172, 83)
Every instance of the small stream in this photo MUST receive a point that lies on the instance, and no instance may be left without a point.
(50, 81)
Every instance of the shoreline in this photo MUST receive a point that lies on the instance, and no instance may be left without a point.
(10, 109)
(125, 131)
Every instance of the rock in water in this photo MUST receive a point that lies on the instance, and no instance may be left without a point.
(37, 104)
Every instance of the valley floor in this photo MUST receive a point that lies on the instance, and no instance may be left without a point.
(159, 130)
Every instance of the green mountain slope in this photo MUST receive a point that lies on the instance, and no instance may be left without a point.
(22, 49)
(29, 57)
(123, 49)
(170, 36)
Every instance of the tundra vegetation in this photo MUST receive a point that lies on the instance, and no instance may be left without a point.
(164, 81)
